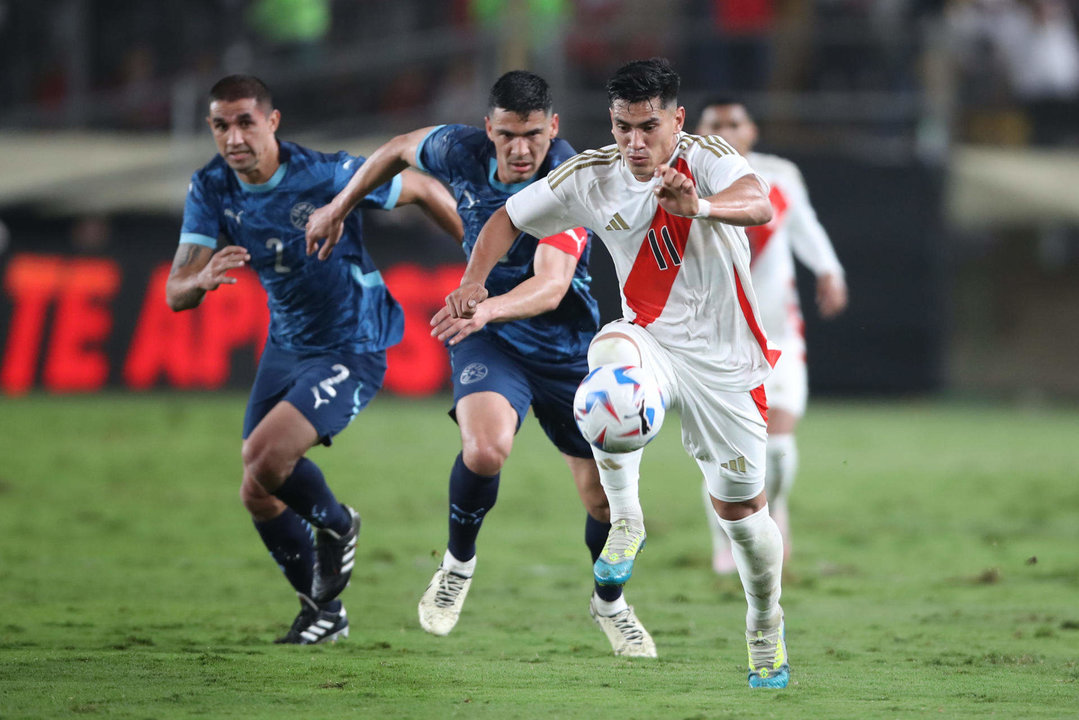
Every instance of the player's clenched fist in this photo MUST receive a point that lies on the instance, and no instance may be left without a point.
(676, 192)
(327, 223)
(462, 302)
(216, 271)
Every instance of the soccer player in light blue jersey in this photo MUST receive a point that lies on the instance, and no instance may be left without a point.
(330, 325)
(506, 358)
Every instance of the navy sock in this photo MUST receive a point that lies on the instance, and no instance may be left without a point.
(471, 496)
(595, 537)
(289, 540)
(306, 492)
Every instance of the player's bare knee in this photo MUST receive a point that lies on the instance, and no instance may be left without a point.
(613, 348)
(738, 510)
(266, 467)
(485, 458)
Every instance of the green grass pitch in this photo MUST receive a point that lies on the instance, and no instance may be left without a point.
(936, 573)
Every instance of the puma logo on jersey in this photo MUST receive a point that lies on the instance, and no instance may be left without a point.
(736, 465)
(238, 217)
(617, 223)
(578, 238)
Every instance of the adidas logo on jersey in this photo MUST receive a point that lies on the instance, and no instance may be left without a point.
(736, 465)
(617, 223)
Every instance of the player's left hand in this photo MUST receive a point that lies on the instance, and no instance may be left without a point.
(676, 192)
(323, 223)
(831, 295)
(462, 302)
(448, 329)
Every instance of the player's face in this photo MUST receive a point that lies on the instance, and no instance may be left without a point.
(646, 134)
(521, 143)
(245, 137)
(730, 122)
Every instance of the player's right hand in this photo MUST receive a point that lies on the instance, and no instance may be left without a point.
(323, 223)
(462, 302)
(216, 271)
(450, 330)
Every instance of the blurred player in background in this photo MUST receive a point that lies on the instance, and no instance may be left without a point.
(794, 228)
(330, 325)
(526, 347)
(670, 206)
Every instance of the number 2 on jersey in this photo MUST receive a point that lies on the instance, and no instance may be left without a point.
(278, 247)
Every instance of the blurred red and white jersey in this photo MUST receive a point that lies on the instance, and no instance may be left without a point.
(685, 281)
(793, 232)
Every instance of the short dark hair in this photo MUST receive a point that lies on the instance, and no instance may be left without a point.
(642, 80)
(521, 92)
(724, 101)
(241, 87)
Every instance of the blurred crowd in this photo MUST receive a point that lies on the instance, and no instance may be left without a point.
(1010, 67)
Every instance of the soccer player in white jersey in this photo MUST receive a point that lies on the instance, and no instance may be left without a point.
(794, 228)
(670, 206)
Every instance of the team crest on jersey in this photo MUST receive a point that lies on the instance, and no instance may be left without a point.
(474, 372)
(299, 214)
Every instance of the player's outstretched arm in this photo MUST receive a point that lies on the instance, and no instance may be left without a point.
(435, 200)
(553, 272)
(744, 202)
(494, 241)
(197, 269)
(326, 223)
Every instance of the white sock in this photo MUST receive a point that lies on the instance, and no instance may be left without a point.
(458, 567)
(782, 466)
(720, 542)
(758, 553)
(619, 473)
(609, 608)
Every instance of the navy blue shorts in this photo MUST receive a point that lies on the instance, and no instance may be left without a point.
(480, 363)
(329, 388)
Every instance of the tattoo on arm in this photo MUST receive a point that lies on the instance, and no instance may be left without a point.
(188, 256)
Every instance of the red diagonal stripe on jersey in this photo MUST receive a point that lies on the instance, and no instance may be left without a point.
(770, 354)
(648, 285)
(759, 235)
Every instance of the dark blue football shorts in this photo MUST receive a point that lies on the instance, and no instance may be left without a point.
(329, 388)
(481, 363)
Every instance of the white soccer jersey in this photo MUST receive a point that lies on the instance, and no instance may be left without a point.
(686, 281)
(794, 227)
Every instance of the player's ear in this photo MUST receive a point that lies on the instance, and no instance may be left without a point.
(679, 118)
(554, 125)
(274, 119)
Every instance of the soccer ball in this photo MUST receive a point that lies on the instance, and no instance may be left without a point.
(619, 408)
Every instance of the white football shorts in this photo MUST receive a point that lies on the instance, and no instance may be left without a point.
(725, 432)
(788, 385)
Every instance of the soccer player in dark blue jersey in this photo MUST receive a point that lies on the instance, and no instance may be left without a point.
(330, 325)
(506, 358)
